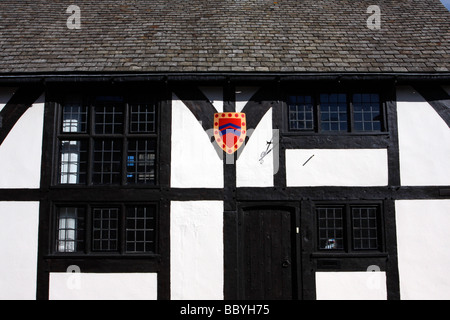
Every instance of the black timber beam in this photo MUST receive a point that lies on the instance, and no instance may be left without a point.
(22, 99)
(399, 77)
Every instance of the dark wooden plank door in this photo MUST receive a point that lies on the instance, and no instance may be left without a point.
(267, 258)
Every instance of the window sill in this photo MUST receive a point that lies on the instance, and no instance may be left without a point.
(103, 186)
(332, 134)
(362, 254)
(98, 255)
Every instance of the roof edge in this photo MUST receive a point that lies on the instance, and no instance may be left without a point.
(221, 76)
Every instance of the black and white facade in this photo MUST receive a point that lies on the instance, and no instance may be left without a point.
(112, 185)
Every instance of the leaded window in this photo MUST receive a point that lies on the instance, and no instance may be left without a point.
(336, 112)
(73, 162)
(107, 140)
(107, 164)
(331, 228)
(141, 161)
(112, 229)
(141, 229)
(367, 112)
(74, 115)
(349, 227)
(105, 235)
(333, 112)
(365, 228)
(109, 115)
(301, 113)
(143, 117)
(70, 230)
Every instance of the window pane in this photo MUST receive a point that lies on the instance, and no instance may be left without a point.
(70, 232)
(301, 113)
(142, 117)
(331, 228)
(74, 115)
(367, 112)
(365, 228)
(109, 118)
(333, 112)
(107, 161)
(73, 162)
(105, 231)
(141, 229)
(141, 159)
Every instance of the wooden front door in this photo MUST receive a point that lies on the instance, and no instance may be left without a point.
(268, 259)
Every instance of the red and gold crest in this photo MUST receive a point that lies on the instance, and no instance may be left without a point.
(230, 130)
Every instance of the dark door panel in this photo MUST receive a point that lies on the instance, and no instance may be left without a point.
(268, 259)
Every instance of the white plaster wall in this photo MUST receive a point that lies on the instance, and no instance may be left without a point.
(20, 152)
(336, 167)
(424, 141)
(423, 239)
(195, 163)
(5, 95)
(351, 285)
(250, 171)
(19, 223)
(196, 250)
(103, 286)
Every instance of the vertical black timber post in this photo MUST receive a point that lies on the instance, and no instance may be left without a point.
(231, 254)
(392, 272)
(165, 134)
(164, 292)
(307, 235)
(42, 285)
(165, 138)
(230, 209)
(229, 165)
(393, 148)
(278, 119)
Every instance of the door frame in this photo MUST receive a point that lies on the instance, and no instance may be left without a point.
(294, 208)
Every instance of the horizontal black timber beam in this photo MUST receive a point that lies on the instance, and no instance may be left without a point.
(341, 193)
(92, 194)
(194, 194)
(99, 264)
(380, 141)
(243, 194)
(21, 194)
(348, 262)
(221, 76)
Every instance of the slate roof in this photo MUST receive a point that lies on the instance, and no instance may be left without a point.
(224, 36)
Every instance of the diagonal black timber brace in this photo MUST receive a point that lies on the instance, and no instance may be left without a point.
(22, 99)
(199, 105)
(437, 98)
(258, 105)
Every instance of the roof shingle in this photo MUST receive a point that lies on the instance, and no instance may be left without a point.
(224, 35)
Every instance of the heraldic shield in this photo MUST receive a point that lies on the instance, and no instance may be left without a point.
(230, 130)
